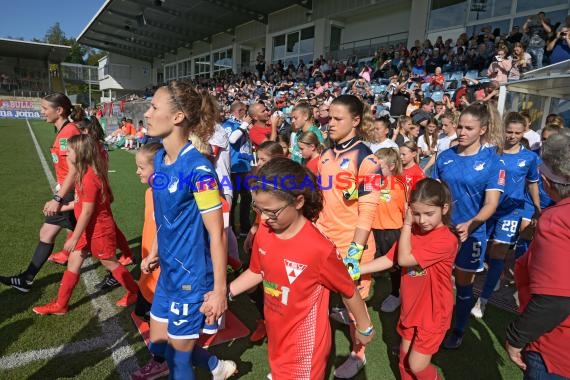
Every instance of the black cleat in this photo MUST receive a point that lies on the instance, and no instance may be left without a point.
(18, 282)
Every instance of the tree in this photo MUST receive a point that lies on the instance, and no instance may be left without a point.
(55, 35)
(76, 53)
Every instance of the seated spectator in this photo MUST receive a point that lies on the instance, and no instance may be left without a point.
(437, 81)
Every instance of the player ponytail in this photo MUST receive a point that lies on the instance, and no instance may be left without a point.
(57, 99)
(287, 180)
(199, 107)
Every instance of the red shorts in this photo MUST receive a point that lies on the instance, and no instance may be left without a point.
(102, 247)
(424, 342)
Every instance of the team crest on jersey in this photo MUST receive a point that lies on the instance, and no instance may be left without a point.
(385, 195)
(521, 163)
(63, 144)
(293, 270)
(416, 271)
(173, 185)
(344, 163)
(479, 165)
(54, 158)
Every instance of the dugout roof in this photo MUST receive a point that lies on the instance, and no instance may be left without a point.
(146, 29)
(33, 50)
(553, 80)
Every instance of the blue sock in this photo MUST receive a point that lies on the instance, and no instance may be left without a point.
(204, 359)
(521, 247)
(158, 349)
(496, 267)
(179, 363)
(463, 305)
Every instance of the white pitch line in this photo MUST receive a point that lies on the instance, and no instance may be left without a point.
(113, 335)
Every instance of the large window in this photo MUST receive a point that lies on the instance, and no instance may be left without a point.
(223, 62)
(482, 9)
(202, 67)
(447, 13)
(170, 72)
(527, 5)
(294, 46)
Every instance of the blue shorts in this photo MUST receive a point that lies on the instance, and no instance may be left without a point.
(528, 211)
(471, 253)
(505, 229)
(185, 321)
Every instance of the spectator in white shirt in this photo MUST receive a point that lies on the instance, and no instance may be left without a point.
(381, 130)
(449, 131)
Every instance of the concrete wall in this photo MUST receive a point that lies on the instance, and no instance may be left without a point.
(125, 73)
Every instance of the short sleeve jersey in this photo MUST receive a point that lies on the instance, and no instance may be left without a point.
(427, 289)
(181, 192)
(342, 171)
(520, 167)
(297, 278)
(468, 178)
(101, 223)
(295, 151)
(59, 150)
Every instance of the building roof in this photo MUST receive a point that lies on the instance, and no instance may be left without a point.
(552, 80)
(33, 50)
(146, 29)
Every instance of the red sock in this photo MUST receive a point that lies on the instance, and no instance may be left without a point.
(122, 243)
(428, 373)
(405, 372)
(68, 282)
(126, 279)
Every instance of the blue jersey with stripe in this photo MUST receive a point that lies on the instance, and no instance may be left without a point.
(521, 167)
(468, 178)
(183, 241)
(545, 200)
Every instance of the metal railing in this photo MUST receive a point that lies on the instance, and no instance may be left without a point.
(365, 47)
(81, 73)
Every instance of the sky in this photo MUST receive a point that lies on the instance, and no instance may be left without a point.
(29, 19)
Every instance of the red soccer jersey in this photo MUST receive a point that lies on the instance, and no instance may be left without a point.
(544, 270)
(427, 291)
(59, 150)
(258, 134)
(413, 175)
(296, 280)
(101, 223)
(313, 165)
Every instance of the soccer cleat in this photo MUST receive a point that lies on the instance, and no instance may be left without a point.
(151, 370)
(125, 261)
(127, 300)
(340, 315)
(453, 340)
(260, 332)
(390, 304)
(18, 282)
(479, 309)
(350, 367)
(107, 283)
(51, 308)
(59, 257)
(224, 370)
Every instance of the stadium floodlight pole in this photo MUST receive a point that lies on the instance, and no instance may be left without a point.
(89, 84)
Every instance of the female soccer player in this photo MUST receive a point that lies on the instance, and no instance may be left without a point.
(352, 198)
(476, 178)
(192, 246)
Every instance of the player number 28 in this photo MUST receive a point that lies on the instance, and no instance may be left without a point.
(510, 226)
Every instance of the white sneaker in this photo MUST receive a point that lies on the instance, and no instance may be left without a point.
(479, 309)
(224, 370)
(390, 304)
(350, 367)
(340, 314)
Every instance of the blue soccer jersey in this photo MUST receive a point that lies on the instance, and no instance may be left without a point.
(182, 191)
(240, 151)
(468, 178)
(520, 167)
